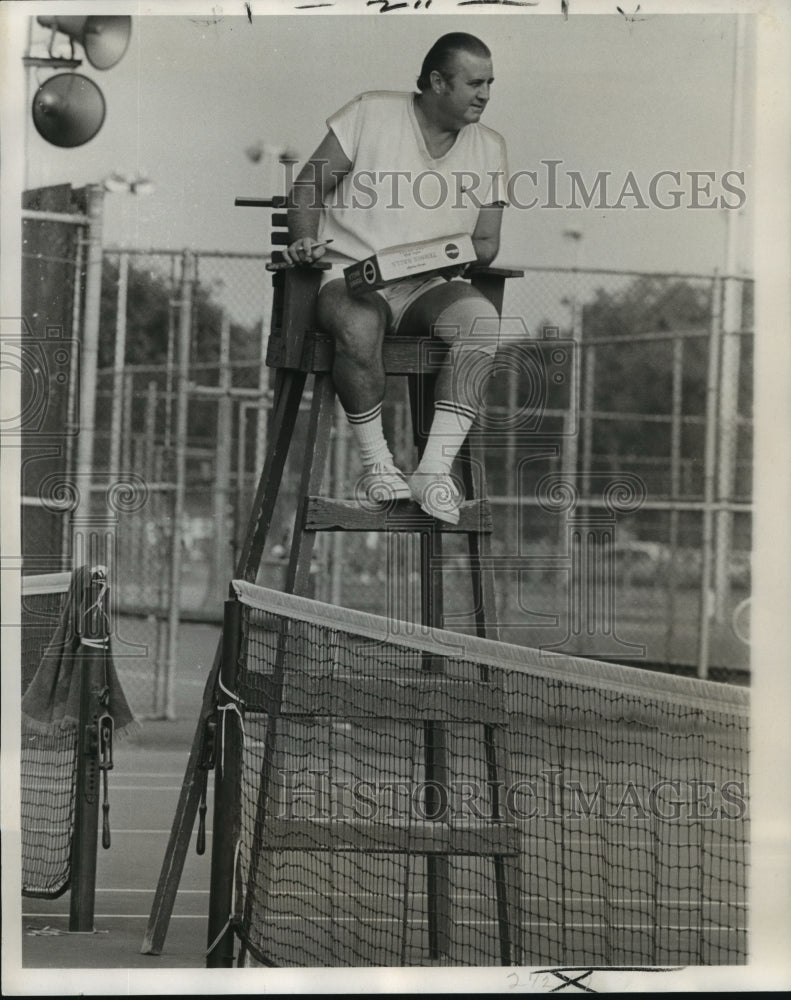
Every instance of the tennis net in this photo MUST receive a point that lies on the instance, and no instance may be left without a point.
(48, 758)
(393, 795)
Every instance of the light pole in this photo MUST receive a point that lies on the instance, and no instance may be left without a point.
(571, 449)
(90, 343)
(120, 183)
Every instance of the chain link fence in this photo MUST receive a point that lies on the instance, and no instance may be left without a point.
(181, 411)
(618, 435)
(619, 457)
(653, 469)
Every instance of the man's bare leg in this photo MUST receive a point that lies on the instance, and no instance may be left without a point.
(469, 323)
(358, 326)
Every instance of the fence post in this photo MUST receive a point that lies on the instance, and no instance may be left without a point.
(89, 345)
(188, 278)
(676, 418)
(169, 372)
(570, 457)
(709, 472)
(587, 365)
(118, 365)
(731, 347)
(221, 569)
(728, 430)
(71, 406)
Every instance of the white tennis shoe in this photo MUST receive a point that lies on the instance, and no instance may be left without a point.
(438, 494)
(382, 483)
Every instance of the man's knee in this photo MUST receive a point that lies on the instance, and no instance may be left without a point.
(356, 325)
(469, 323)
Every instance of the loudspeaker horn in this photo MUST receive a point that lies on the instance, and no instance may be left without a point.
(104, 38)
(68, 110)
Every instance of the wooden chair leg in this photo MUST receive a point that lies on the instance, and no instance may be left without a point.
(289, 386)
(478, 542)
(507, 876)
(297, 580)
(317, 443)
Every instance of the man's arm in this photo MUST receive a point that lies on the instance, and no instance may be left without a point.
(485, 241)
(318, 178)
(486, 237)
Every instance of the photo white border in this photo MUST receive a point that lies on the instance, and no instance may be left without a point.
(769, 968)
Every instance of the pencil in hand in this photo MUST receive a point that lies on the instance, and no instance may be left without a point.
(284, 265)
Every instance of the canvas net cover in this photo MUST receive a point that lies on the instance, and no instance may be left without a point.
(48, 758)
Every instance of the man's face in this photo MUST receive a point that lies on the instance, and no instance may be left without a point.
(466, 93)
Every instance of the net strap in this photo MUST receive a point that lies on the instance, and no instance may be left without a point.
(95, 643)
(231, 706)
(97, 576)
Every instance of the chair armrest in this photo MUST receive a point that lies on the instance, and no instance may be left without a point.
(285, 265)
(490, 281)
(494, 272)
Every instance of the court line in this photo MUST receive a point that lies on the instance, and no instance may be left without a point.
(459, 896)
(118, 916)
(725, 848)
(145, 788)
(570, 901)
(181, 892)
(283, 918)
(290, 917)
(54, 786)
(176, 775)
(114, 831)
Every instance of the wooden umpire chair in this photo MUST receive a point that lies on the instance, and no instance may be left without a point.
(295, 350)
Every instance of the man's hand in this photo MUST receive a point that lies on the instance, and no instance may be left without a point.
(305, 250)
(317, 179)
(454, 271)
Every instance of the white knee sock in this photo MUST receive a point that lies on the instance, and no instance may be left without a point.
(369, 436)
(449, 428)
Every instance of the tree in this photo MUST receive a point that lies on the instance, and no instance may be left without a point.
(635, 375)
(151, 297)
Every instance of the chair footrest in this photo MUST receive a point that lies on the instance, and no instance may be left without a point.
(327, 514)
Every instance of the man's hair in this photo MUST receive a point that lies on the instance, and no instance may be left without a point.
(440, 56)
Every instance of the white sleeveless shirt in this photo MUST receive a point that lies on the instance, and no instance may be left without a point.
(395, 191)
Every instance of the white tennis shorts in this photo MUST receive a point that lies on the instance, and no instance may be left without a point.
(400, 295)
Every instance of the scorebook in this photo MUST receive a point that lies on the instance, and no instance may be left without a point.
(406, 261)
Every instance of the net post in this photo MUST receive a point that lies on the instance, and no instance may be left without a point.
(90, 624)
(225, 825)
